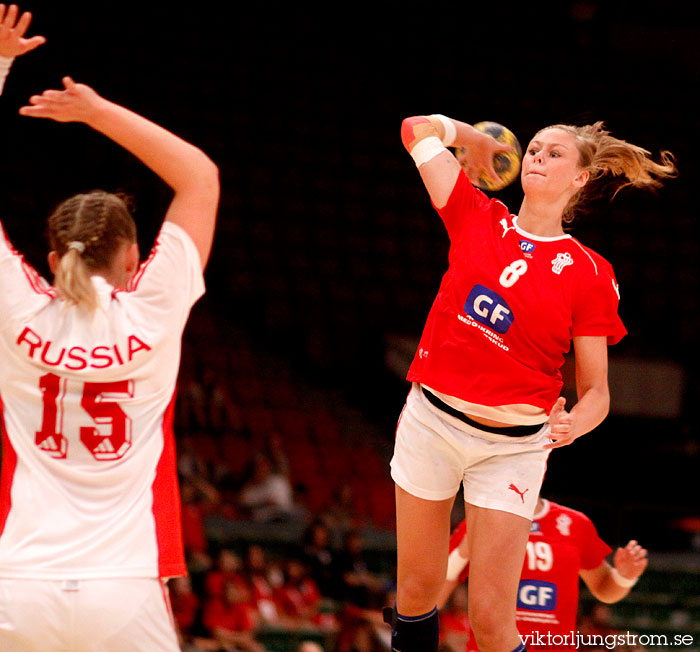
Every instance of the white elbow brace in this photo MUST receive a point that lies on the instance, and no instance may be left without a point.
(455, 565)
(450, 129)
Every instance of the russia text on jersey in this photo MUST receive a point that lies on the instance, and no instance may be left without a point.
(76, 358)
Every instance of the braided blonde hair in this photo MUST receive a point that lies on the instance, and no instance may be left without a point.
(605, 156)
(85, 231)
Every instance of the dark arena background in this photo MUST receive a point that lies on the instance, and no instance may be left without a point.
(328, 255)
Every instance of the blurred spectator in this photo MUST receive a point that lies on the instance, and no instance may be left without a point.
(231, 619)
(228, 568)
(193, 512)
(262, 585)
(299, 597)
(360, 587)
(341, 514)
(454, 621)
(321, 560)
(267, 495)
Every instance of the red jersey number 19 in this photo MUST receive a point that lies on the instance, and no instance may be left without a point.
(539, 556)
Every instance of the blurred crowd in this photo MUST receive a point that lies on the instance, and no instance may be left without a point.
(311, 592)
(321, 589)
(321, 592)
(255, 453)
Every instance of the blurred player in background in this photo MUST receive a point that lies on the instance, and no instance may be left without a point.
(484, 410)
(89, 505)
(563, 546)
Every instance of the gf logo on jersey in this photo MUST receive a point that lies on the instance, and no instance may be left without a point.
(527, 247)
(537, 595)
(489, 308)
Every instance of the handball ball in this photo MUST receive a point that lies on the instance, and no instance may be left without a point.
(507, 165)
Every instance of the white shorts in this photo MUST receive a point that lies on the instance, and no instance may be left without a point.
(435, 452)
(113, 615)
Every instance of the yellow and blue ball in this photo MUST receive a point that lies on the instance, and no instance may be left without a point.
(506, 164)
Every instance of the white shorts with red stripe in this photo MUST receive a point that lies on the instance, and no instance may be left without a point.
(435, 452)
(113, 615)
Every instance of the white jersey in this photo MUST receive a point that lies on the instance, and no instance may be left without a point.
(89, 485)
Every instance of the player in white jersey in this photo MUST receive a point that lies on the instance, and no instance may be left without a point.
(89, 503)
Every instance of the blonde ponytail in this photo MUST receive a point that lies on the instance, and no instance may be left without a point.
(72, 279)
(611, 159)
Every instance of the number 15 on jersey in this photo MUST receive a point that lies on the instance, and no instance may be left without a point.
(106, 433)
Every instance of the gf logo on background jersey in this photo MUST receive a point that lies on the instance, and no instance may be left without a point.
(537, 595)
(489, 308)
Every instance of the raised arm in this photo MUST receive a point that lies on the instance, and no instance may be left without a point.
(12, 41)
(612, 583)
(426, 139)
(185, 168)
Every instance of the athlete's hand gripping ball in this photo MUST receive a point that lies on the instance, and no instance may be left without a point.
(506, 160)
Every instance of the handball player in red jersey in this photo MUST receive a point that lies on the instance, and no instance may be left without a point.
(563, 545)
(484, 409)
(89, 503)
